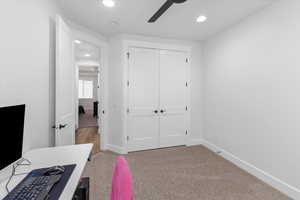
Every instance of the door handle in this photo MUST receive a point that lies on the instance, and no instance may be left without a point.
(61, 126)
(155, 111)
(162, 111)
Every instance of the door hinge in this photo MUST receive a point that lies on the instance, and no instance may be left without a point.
(186, 84)
(186, 60)
(127, 110)
(127, 138)
(103, 111)
(186, 132)
(128, 55)
(186, 108)
(128, 83)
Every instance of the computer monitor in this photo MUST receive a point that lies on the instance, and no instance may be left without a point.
(11, 129)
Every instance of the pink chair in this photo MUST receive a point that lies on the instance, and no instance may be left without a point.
(122, 181)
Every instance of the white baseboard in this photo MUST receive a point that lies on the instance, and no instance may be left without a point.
(115, 149)
(264, 176)
(194, 142)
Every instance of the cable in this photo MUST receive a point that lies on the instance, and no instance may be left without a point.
(13, 173)
(10, 177)
(20, 162)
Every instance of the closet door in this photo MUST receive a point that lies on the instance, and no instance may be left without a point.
(143, 120)
(173, 101)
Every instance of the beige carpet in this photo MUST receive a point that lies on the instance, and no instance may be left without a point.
(182, 173)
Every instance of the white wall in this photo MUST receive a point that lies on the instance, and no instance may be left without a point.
(27, 65)
(196, 90)
(115, 77)
(252, 84)
(117, 82)
(196, 96)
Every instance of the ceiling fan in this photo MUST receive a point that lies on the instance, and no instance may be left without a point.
(163, 9)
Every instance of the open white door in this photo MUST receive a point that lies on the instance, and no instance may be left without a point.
(65, 86)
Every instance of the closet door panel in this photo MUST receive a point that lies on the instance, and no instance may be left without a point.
(173, 98)
(143, 131)
(172, 130)
(143, 122)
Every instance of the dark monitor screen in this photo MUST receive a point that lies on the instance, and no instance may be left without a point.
(11, 142)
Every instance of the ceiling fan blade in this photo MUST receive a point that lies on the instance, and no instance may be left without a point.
(161, 11)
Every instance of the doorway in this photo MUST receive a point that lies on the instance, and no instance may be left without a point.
(88, 97)
(88, 94)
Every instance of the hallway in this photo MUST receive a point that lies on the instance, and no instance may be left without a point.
(87, 120)
(88, 135)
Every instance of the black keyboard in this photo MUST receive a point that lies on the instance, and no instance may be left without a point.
(34, 188)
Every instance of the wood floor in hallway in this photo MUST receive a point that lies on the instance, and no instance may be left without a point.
(89, 135)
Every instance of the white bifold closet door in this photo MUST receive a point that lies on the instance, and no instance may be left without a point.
(143, 124)
(173, 101)
(157, 99)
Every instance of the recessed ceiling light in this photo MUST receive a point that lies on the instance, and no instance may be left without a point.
(114, 23)
(108, 3)
(201, 18)
(87, 55)
(77, 41)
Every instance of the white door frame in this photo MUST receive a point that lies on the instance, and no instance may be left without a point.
(161, 46)
(84, 35)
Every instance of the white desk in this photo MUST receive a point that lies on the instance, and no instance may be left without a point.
(47, 157)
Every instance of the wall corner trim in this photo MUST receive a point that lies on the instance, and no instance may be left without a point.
(260, 174)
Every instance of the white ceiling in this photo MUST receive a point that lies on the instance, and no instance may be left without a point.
(86, 48)
(130, 16)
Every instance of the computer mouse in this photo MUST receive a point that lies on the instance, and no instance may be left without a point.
(55, 170)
